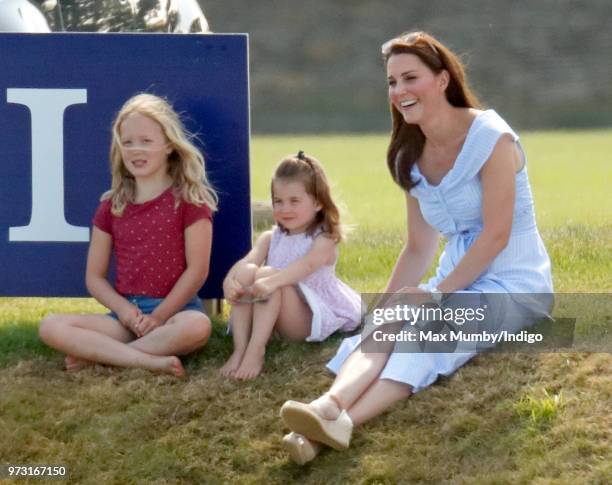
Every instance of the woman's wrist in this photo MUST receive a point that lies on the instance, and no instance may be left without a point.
(436, 295)
(445, 286)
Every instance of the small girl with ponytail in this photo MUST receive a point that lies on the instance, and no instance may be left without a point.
(287, 282)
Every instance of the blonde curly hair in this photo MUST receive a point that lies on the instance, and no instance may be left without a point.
(185, 162)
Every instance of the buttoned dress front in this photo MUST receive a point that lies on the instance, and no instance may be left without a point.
(454, 208)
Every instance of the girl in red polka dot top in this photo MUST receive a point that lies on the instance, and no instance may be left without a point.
(156, 220)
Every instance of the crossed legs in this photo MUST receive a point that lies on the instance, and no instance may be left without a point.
(100, 338)
(358, 390)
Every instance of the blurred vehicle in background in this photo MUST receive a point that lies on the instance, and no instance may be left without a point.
(21, 16)
(178, 16)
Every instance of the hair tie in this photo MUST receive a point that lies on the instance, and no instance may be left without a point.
(302, 157)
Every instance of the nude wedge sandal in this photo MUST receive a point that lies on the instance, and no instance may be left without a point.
(304, 420)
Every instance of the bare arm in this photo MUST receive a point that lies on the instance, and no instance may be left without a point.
(198, 241)
(98, 260)
(257, 255)
(498, 193)
(232, 289)
(418, 253)
(322, 252)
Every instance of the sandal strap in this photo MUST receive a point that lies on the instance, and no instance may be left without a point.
(336, 400)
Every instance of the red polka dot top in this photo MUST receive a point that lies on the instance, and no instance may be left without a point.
(149, 242)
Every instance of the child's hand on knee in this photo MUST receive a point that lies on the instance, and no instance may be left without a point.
(147, 324)
(263, 287)
(129, 316)
(232, 290)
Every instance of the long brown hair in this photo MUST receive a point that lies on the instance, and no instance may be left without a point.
(307, 170)
(407, 140)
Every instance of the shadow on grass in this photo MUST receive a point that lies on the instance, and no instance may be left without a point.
(20, 342)
(220, 346)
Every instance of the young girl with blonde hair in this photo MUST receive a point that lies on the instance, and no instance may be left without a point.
(157, 220)
(287, 282)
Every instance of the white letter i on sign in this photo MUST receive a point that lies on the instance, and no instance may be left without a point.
(48, 222)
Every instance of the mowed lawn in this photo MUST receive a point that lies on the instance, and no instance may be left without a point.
(503, 418)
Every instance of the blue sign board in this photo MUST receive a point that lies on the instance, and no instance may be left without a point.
(59, 94)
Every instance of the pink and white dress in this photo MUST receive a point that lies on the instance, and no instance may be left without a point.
(334, 305)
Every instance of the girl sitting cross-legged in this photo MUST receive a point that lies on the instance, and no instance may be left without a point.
(156, 218)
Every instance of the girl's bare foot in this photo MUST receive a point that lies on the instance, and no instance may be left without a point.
(172, 365)
(74, 364)
(251, 365)
(232, 364)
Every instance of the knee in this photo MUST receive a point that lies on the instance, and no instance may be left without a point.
(198, 330)
(50, 325)
(246, 274)
(265, 271)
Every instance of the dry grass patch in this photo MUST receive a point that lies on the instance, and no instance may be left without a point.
(128, 426)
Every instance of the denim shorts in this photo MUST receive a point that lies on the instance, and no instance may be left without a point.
(147, 304)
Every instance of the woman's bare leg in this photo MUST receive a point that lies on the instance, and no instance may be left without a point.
(378, 398)
(359, 371)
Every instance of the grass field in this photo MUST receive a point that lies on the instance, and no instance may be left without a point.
(503, 418)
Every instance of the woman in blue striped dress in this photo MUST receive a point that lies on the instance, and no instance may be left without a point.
(465, 177)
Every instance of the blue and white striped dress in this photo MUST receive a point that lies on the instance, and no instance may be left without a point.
(454, 208)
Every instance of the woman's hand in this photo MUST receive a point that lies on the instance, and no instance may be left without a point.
(414, 290)
(408, 295)
(413, 295)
